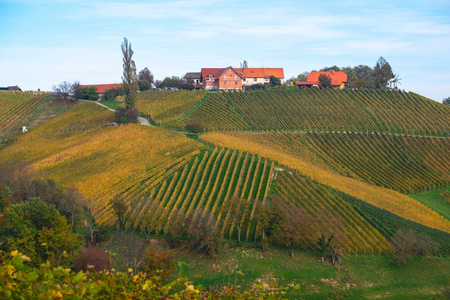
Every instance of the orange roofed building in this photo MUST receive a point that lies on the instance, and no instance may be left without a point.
(236, 78)
(338, 79)
(221, 79)
(252, 76)
(102, 88)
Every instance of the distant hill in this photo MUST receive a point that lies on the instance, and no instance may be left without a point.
(28, 109)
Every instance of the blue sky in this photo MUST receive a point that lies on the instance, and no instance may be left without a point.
(45, 42)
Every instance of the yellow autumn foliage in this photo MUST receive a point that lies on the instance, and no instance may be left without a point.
(78, 149)
(395, 202)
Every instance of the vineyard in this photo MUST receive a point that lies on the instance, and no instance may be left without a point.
(346, 158)
(328, 111)
(13, 106)
(356, 234)
(77, 149)
(167, 106)
(407, 164)
(207, 183)
(389, 200)
(214, 113)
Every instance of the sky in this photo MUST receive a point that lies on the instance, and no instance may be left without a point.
(43, 43)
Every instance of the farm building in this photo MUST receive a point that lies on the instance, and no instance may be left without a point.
(221, 79)
(194, 78)
(252, 76)
(338, 79)
(236, 78)
(102, 88)
(11, 88)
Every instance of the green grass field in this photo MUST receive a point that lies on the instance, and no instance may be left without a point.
(359, 277)
(111, 103)
(433, 201)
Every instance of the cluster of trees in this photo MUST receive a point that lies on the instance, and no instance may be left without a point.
(362, 76)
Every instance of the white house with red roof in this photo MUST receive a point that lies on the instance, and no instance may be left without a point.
(236, 78)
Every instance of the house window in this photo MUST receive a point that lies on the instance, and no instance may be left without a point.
(235, 77)
(243, 79)
(210, 77)
(235, 83)
(255, 79)
(225, 77)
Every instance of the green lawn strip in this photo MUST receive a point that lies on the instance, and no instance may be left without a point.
(111, 103)
(433, 201)
(358, 277)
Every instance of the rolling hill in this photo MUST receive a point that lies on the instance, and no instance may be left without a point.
(343, 157)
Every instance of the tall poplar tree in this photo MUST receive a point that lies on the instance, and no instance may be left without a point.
(130, 82)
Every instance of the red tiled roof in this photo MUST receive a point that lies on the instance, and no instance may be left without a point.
(215, 72)
(261, 72)
(307, 83)
(337, 77)
(102, 88)
(245, 73)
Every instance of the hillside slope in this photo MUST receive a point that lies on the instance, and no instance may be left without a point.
(331, 110)
(77, 149)
(389, 200)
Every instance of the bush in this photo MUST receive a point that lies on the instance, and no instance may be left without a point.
(206, 238)
(5, 197)
(113, 93)
(132, 115)
(158, 262)
(123, 116)
(258, 86)
(89, 93)
(92, 258)
(407, 243)
(194, 126)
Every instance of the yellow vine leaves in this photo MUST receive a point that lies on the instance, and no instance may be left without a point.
(390, 200)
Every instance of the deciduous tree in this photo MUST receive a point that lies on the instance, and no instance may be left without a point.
(325, 80)
(274, 81)
(39, 231)
(119, 207)
(145, 79)
(129, 77)
(382, 73)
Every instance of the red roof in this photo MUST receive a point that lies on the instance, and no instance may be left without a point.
(102, 88)
(245, 73)
(337, 77)
(307, 82)
(215, 72)
(261, 72)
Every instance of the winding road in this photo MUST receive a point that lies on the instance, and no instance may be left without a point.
(143, 121)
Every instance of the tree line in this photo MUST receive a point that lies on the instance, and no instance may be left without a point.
(380, 76)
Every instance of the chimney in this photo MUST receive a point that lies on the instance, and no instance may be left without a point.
(332, 72)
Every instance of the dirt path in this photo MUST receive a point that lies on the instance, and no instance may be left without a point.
(143, 121)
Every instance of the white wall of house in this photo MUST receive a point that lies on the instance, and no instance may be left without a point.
(255, 80)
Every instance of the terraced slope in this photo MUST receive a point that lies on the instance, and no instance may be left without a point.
(407, 164)
(77, 149)
(336, 110)
(14, 106)
(353, 232)
(209, 181)
(167, 106)
(215, 113)
(389, 200)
